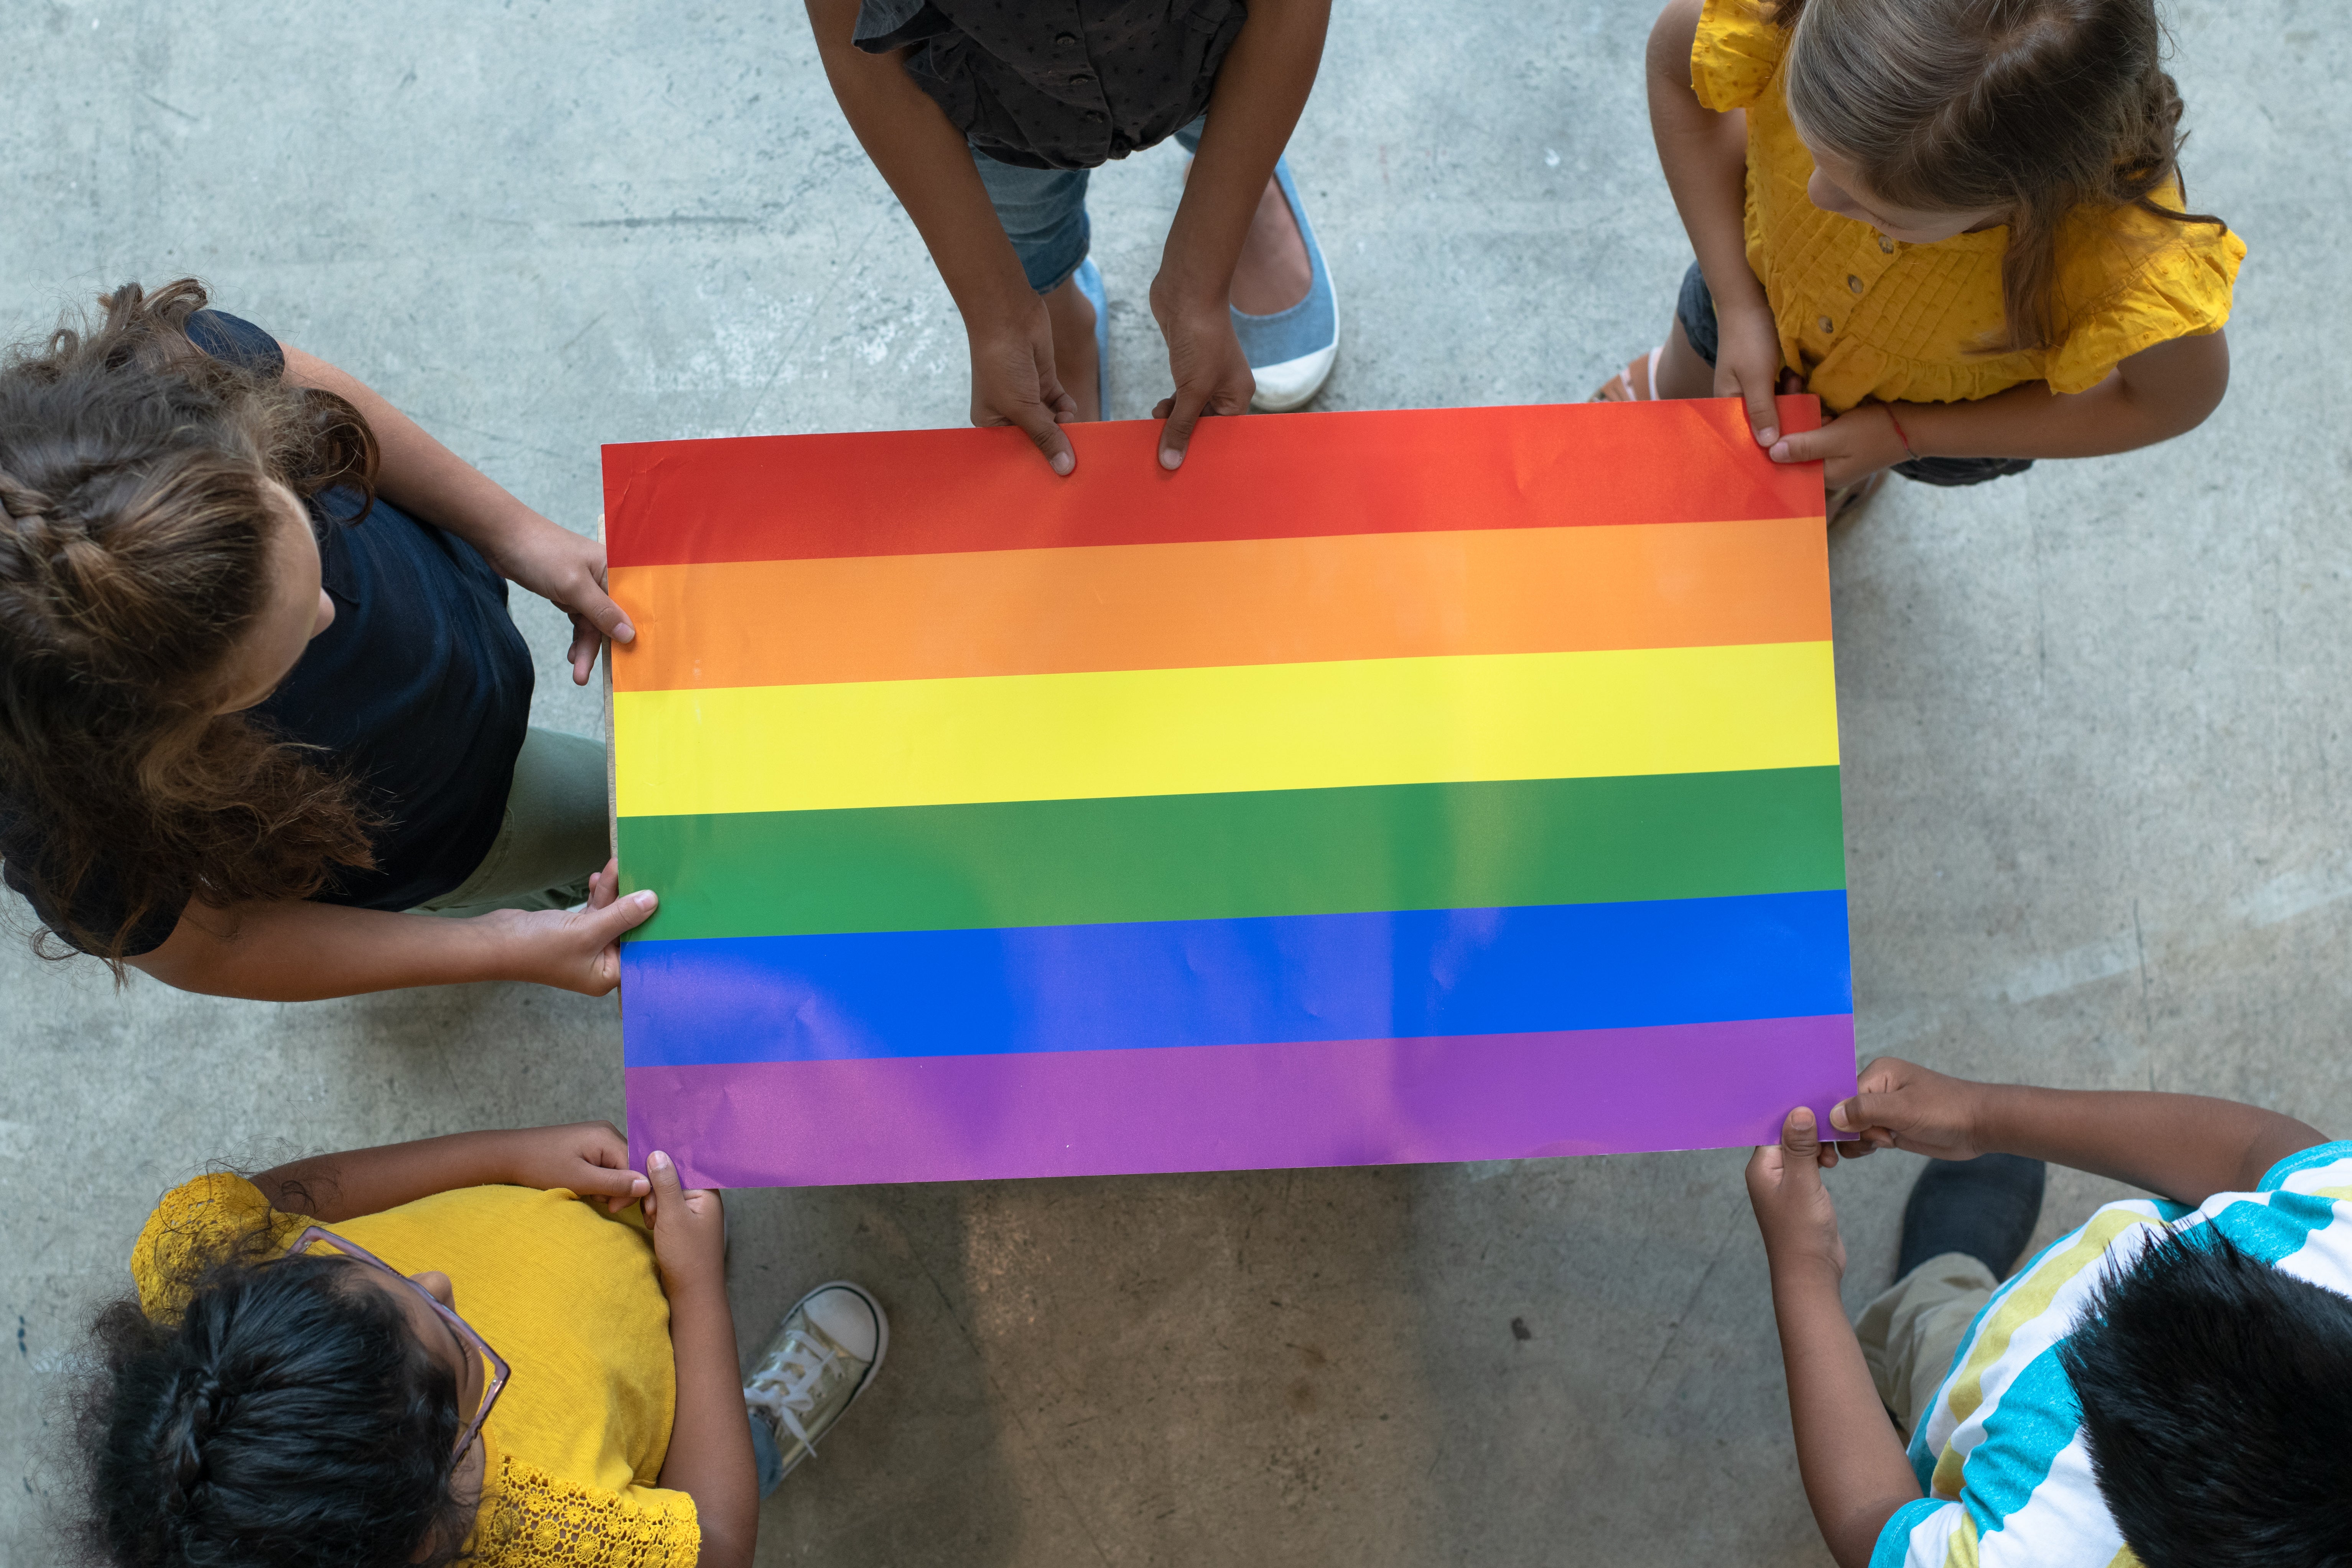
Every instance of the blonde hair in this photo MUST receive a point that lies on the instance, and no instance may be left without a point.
(2034, 108)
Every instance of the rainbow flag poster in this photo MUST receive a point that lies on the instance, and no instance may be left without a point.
(1379, 787)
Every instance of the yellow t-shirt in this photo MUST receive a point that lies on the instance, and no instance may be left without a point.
(568, 1295)
(1862, 316)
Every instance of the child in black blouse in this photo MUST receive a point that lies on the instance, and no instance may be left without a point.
(985, 118)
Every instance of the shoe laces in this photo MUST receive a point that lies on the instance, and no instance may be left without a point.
(785, 1385)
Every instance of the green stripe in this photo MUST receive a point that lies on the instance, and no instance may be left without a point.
(1228, 856)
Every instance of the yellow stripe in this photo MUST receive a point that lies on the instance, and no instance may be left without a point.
(2028, 1301)
(1961, 1550)
(1210, 731)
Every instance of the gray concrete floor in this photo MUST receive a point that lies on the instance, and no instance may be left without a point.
(2095, 726)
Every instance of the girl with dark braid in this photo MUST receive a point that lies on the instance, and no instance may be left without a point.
(506, 1348)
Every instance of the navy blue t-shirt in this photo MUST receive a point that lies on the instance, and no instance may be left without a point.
(421, 690)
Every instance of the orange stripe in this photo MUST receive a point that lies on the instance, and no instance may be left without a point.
(1237, 602)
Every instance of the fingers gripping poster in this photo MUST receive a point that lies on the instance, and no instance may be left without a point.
(1379, 788)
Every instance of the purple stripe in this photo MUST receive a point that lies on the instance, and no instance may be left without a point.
(1234, 1108)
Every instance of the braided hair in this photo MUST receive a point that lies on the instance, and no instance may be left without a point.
(2036, 108)
(135, 527)
(287, 1417)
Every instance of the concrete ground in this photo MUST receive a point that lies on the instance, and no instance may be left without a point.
(2095, 726)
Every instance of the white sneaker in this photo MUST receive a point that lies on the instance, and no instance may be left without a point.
(823, 1353)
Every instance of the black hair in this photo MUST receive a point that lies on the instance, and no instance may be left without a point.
(288, 1415)
(2217, 1397)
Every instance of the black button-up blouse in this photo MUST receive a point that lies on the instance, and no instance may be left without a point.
(1059, 84)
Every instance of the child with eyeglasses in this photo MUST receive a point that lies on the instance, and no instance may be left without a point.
(504, 1347)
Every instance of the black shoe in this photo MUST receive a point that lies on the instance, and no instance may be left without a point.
(1986, 1208)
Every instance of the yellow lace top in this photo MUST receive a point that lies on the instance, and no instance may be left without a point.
(1862, 316)
(568, 1296)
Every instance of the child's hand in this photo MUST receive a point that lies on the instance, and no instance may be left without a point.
(1853, 446)
(1902, 1106)
(591, 1158)
(573, 951)
(1793, 1208)
(568, 571)
(1748, 366)
(689, 1231)
(1213, 374)
(1014, 380)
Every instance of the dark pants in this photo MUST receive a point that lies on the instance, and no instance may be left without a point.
(1695, 310)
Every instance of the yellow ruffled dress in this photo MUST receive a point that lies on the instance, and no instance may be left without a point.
(568, 1295)
(1862, 316)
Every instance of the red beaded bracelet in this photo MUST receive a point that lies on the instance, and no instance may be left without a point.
(1900, 434)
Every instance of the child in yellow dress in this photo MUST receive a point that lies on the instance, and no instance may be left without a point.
(1958, 222)
(450, 1348)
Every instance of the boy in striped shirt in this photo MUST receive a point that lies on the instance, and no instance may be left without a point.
(2167, 1384)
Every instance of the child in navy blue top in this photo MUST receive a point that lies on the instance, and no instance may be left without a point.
(259, 696)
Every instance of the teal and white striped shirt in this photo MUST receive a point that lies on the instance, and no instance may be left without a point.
(2001, 1453)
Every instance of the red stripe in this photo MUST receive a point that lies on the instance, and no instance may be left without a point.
(778, 498)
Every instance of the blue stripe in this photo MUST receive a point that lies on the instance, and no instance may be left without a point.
(1895, 1536)
(2317, 1156)
(1241, 982)
(2038, 1415)
(2276, 1230)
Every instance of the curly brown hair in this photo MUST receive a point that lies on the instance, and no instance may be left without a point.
(2034, 107)
(135, 523)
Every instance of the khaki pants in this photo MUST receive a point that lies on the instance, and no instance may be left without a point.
(1911, 1333)
(555, 836)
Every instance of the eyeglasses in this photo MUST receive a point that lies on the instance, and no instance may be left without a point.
(493, 1365)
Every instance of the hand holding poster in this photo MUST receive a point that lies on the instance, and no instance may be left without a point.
(1378, 787)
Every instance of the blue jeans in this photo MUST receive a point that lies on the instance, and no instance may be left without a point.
(1044, 212)
(764, 1457)
(1695, 310)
